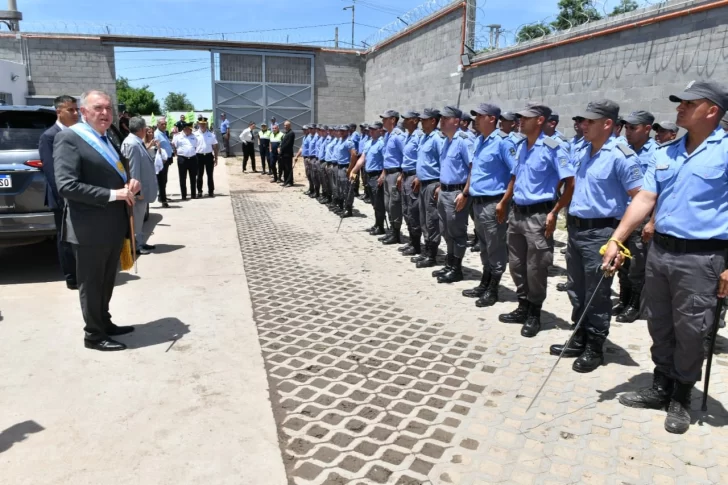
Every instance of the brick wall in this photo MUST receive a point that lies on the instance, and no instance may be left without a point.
(339, 88)
(64, 66)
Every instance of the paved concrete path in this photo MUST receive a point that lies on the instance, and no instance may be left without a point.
(381, 375)
(187, 404)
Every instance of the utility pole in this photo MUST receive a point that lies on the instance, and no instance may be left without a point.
(352, 7)
(11, 17)
(336, 38)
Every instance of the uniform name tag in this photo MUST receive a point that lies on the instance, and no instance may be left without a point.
(662, 167)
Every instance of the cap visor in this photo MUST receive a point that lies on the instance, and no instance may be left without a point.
(685, 96)
(591, 116)
(527, 113)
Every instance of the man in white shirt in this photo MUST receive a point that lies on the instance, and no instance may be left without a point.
(207, 150)
(248, 139)
(186, 145)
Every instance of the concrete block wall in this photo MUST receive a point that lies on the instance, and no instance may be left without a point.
(339, 88)
(64, 65)
(414, 72)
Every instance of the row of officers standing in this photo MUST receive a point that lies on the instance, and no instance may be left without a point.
(617, 192)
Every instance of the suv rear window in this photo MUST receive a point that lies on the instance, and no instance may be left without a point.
(21, 130)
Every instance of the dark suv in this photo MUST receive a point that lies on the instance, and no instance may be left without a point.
(24, 216)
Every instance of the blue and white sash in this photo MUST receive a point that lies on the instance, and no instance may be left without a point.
(104, 149)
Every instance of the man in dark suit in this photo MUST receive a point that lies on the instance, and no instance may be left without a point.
(287, 154)
(67, 112)
(98, 191)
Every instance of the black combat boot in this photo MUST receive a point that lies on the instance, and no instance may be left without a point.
(518, 315)
(561, 287)
(632, 312)
(478, 291)
(655, 397)
(575, 348)
(422, 255)
(348, 212)
(533, 321)
(472, 242)
(406, 246)
(455, 274)
(416, 247)
(678, 411)
(431, 259)
(625, 296)
(448, 266)
(377, 230)
(490, 297)
(593, 355)
(393, 238)
(387, 234)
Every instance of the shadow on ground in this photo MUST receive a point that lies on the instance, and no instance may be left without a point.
(17, 433)
(35, 263)
(165, 330)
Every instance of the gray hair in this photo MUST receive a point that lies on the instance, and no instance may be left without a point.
(161, 120)
(137, 124)
(98, 92)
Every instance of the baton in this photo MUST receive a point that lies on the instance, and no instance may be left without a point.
(348, 193)
(568, 342)
(713, 337)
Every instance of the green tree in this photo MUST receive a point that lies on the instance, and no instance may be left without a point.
(532, 31)
(137, 100)
(573, 13)
(177, 102)
(624, 7)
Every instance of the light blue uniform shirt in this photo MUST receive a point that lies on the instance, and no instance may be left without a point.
(312, 147)
(305, 145)
(343, 152)
(411, 143)
(428, 156)
(692, 190)
(517, 138)
(575, 146)
(355, 138)
(164, 143)
(393, 149)
(539, 170)
(374, 155)
(602, 181)
(320, 146)
(329, 156)
(493, 160)
(224, 126)
(644, 154)
(455, 159)
(362, 143)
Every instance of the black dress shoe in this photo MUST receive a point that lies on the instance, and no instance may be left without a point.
(71, 285)
(165, 205)
(211, 194)
(143, 251)
(150, 247)
(119, 330)
(104, 345)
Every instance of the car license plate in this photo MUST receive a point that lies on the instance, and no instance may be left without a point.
(6, 182)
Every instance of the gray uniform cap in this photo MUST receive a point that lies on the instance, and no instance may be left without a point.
(428, 113)
(508, 116)
(377, 125)
(486, 109)
(639, 118)
(410, 114)
(554, 116)
(603, 108)
(390, 113)
(710, 90)
(534, 110)
(451, 112)
(665, 125)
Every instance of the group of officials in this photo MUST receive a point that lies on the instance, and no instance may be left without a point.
(275, 148)
(664, 201)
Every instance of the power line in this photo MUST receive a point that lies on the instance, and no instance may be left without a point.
(169, 74)
(166, 64)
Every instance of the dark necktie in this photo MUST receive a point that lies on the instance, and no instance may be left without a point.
(104, 139)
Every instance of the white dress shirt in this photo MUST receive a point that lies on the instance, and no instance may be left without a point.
(205, 142)
(246, 136)
(186, 145)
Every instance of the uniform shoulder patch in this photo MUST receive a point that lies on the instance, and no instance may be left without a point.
(396, 131)
(463, 134)
(501, 134)
(550, 142)
(628, 152)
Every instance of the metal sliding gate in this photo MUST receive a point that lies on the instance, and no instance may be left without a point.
(257, 86)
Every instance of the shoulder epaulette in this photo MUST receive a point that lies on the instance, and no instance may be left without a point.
(418, 132)
(396, 131)
(550, 142)
(628, 152)
(562, 137)
(501, 134)
(463, 134)
(518, 136)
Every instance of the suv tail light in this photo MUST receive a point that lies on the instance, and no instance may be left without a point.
(34, 163)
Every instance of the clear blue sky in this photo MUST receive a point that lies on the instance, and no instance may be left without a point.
(158, 68)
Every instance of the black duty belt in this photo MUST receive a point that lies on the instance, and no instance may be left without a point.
(375, 173)
(390, 171)
(409, 173)
(677, 245)
(540, 208)
(600, 223)
(486, 199)
(425, 183)
(187, 158)
(331, 163)
(343, 166)
(451, 188)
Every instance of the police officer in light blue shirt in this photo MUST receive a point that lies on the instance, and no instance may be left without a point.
(687, 186)
(364, 141)
(332, 166)
(315, 163)
(617, 132)
(637, 127)
(393, 155)
(425, 184)
(577, 143)
(607, 175)
(305, 151)
(410, 199)
(509, 125)
(493, 161)
(549, 129)
(346, 156)
(324, 139)
(452, 195)
(225, 132)
(541, 163)
(371, 161)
